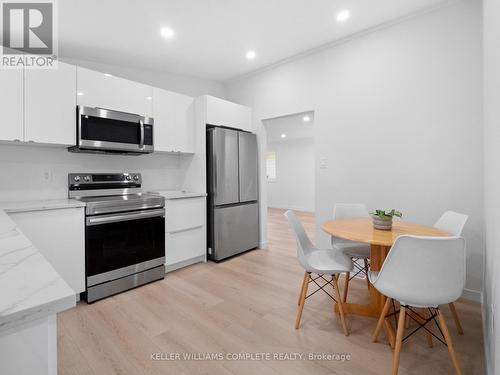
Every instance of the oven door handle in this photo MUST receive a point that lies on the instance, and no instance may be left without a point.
(106, 219)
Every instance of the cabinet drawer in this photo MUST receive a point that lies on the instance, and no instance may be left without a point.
(184, 213)
(184, 245)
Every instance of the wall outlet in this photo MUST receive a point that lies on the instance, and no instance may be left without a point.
(47, 176)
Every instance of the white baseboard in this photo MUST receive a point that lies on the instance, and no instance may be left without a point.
(184, 263)
(472, 295)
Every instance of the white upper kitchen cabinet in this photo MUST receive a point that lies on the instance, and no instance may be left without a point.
(11, 104)
(103, 90)
(173, 121)
(50, 105)
(224, 113)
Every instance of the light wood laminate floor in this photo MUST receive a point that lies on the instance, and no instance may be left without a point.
(245, 304)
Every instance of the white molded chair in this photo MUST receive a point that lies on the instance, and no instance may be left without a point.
(320, 262)
(355, 250)
(453, 223)
(421, 272)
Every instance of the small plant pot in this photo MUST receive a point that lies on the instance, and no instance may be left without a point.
(384, 223)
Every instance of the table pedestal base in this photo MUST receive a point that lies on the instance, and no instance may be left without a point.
(377, 300)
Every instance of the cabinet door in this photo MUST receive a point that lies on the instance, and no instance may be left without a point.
(184, 245)
(164, 120)
(11, 104)
(50, 105)
(224, 113)
(102, 90)
(59, 236)
(184, 123)
(174, 121)
(185, 213)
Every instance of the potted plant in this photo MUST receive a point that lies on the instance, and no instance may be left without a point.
(383, 220)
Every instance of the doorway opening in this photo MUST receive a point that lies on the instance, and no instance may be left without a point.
(290, 162)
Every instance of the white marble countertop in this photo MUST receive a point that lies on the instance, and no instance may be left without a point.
(30, 288)
(39, 205)
(177, 194)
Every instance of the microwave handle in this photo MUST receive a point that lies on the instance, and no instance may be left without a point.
(141, 125)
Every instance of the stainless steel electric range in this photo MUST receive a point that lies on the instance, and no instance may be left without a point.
(124, 232)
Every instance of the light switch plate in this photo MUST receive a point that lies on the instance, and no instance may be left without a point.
(323, 162)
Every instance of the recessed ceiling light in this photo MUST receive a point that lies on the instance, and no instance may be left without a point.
(79, 93)
(283, 135)
(108, 75)
(167, 32)
(250, 55)
(343, 15)
(149, 98)
(306, 118)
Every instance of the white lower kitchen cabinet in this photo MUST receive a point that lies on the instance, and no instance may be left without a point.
(59, 235)
(185, 237)
(184, 247)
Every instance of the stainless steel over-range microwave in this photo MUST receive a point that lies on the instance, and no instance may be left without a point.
(103, 130)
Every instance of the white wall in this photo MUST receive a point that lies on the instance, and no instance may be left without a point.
(24, 170)
(398, 115)
(294, 186)
(186, 85)
(491, 296)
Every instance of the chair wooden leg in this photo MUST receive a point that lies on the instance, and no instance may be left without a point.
(341, 308)
(302, 301)
(306, 277)
(346, 286)
(381, 319)
(399, 340)
(449, 343)
(407, 321)
(391, 337)
(429, 335)
(366, 273)
(455, 318)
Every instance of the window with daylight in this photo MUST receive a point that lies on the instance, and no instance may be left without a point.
(271, 166)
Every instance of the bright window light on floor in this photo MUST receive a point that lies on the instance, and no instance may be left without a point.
(271, 166)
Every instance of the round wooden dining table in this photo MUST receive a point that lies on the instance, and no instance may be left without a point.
(380, 241)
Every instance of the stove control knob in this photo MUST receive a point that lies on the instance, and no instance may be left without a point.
(86, 178)
(136, 178)
(76, 178)
(128, 178)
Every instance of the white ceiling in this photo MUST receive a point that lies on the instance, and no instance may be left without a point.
(212, 36)
(293, 126)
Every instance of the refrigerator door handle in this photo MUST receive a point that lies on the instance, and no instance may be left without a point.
(214, 172)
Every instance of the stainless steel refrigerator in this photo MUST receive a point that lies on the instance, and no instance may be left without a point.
(232, 185)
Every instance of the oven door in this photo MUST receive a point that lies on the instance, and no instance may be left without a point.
(122, 244)
(102, 129)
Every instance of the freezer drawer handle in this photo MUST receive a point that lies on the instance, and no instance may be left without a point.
(105, 219)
